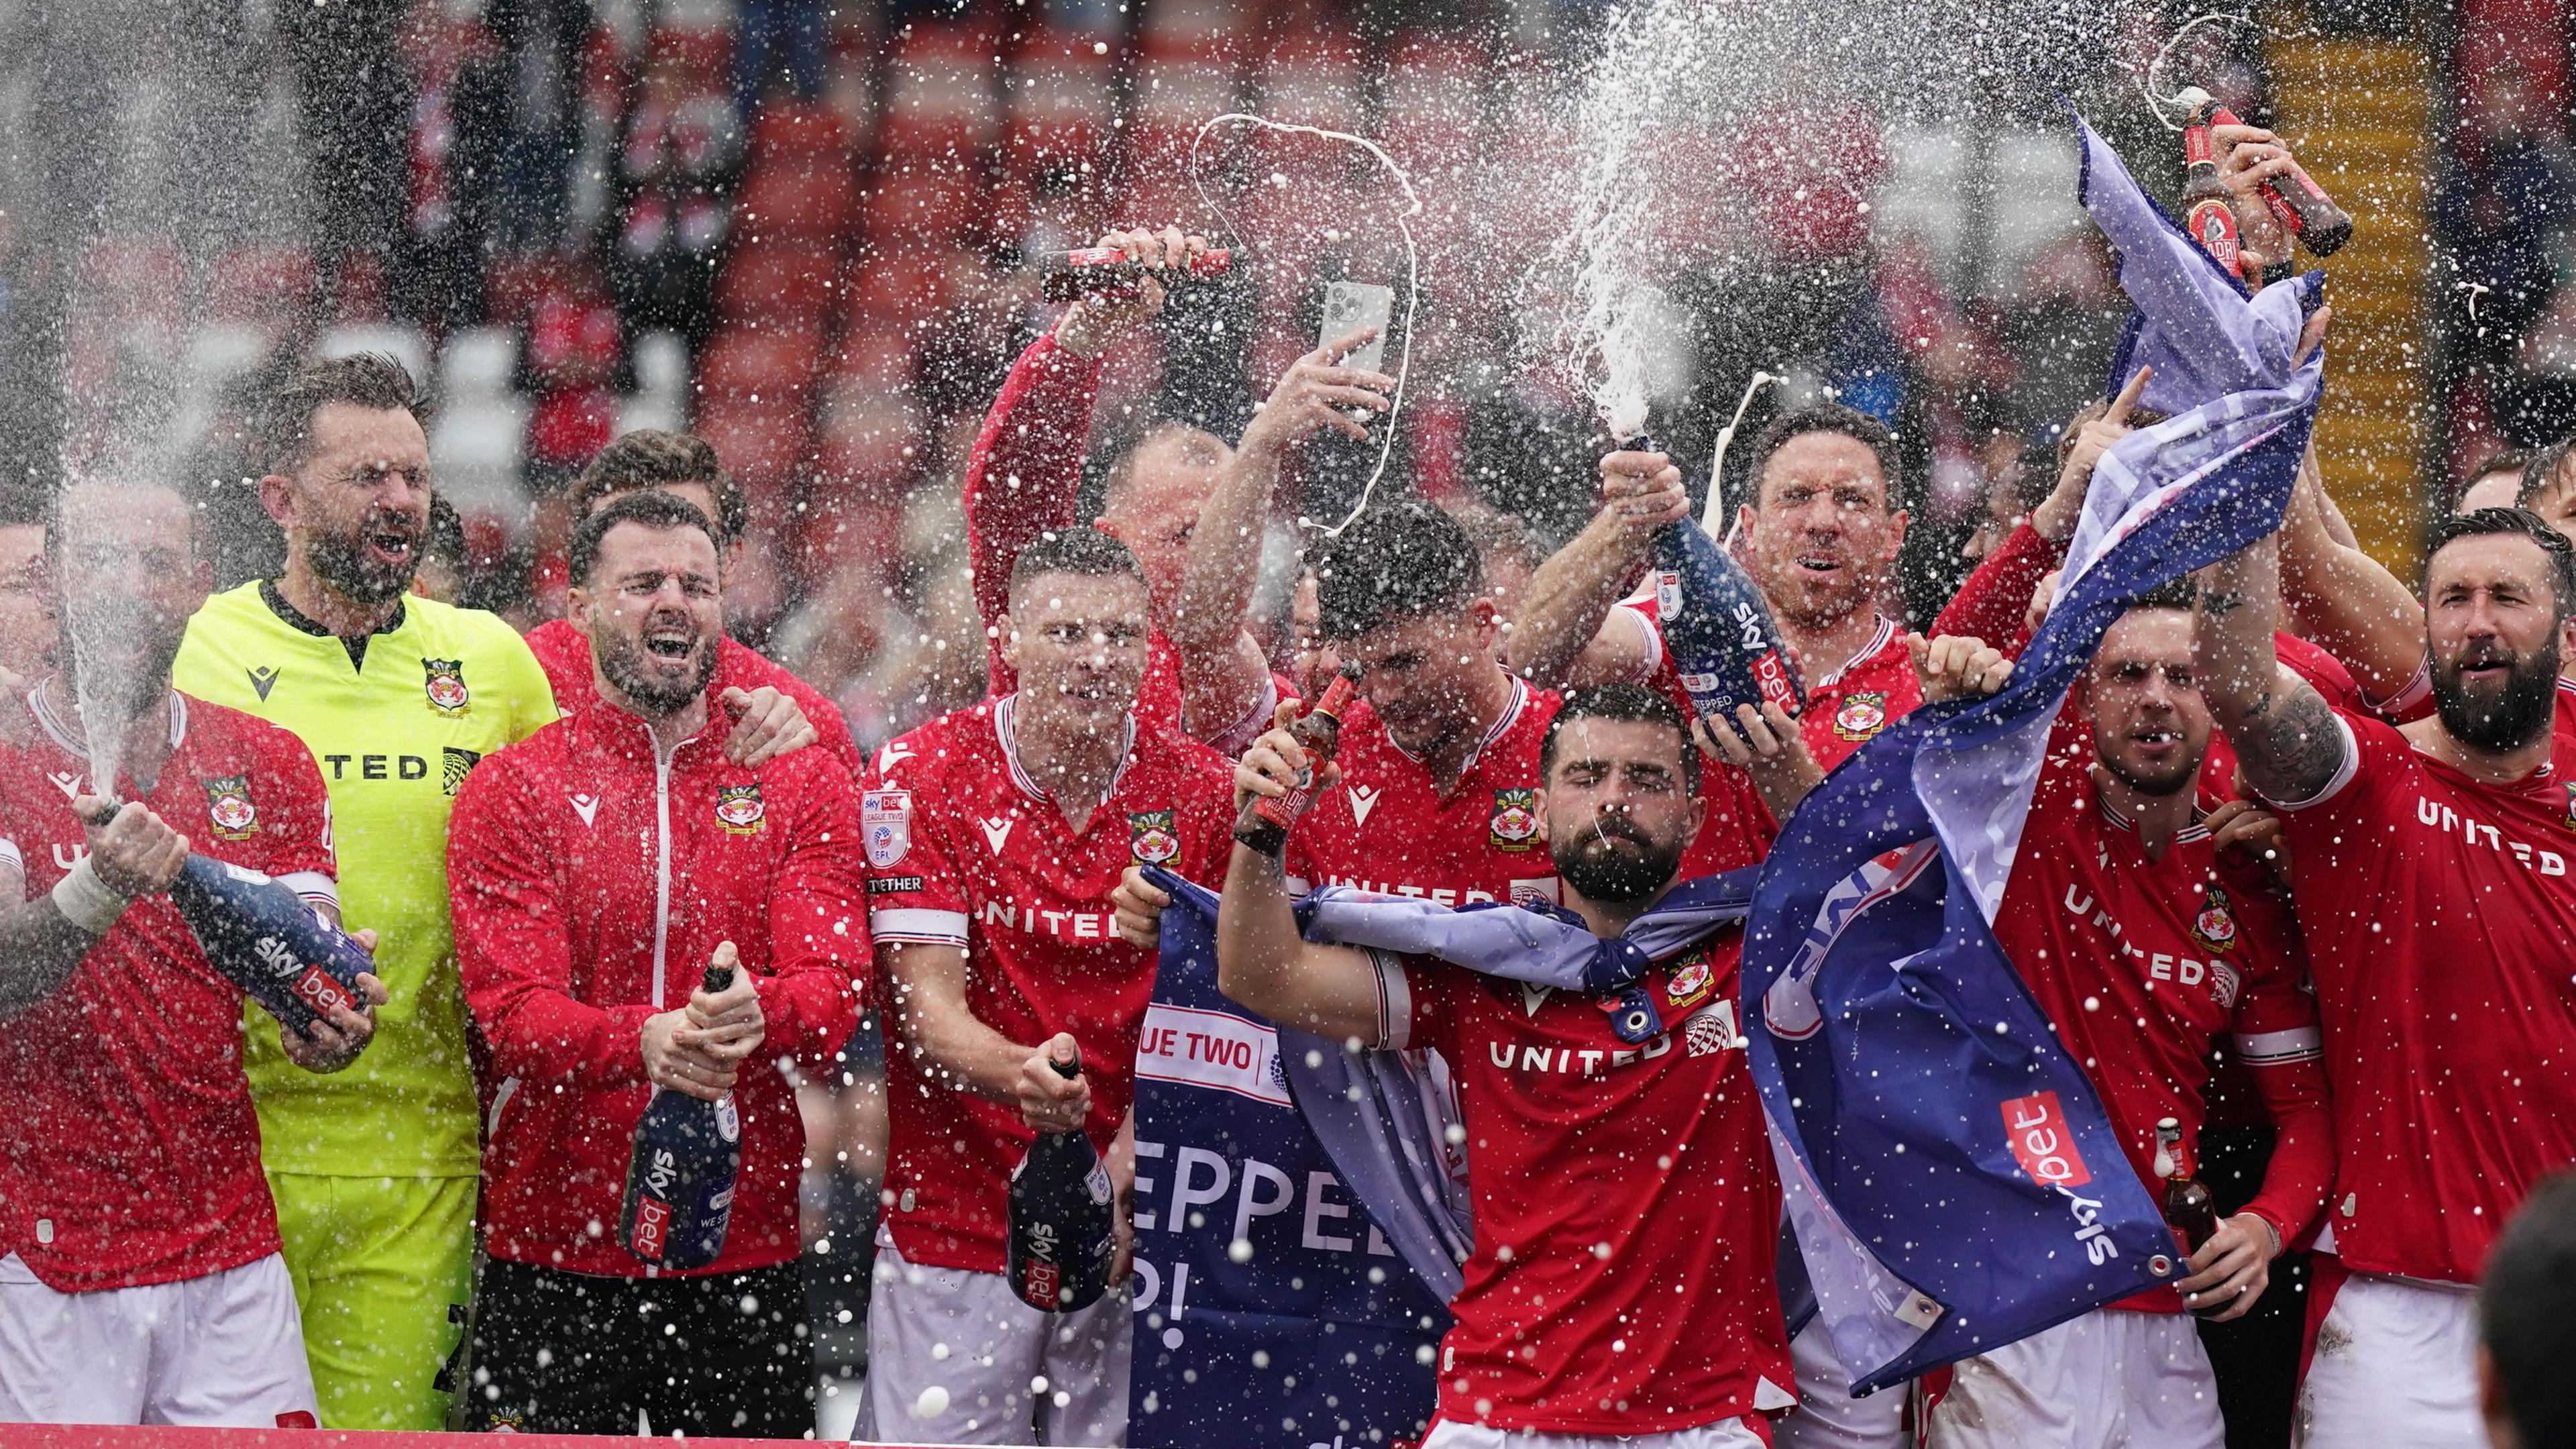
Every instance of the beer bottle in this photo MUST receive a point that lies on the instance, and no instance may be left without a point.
(2205, 197)
(1062, 1224)
(264, 939)
(2302, 207)
(1110, 272)
(1263, 822)
(679, 1180)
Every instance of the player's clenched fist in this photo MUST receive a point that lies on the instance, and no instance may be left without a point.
(134, 851)
(1050, 1101)
(1140, 904)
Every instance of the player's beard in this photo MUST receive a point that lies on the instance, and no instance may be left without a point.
(1609, 860)
(627, 664)
(2516, 715)
(341, 559)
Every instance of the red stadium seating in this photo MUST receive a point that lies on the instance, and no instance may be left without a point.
(761, 366)
(763, 445)
(812, 197)
(781, 278)
(259, 285)
(915, 200)
(942, 94)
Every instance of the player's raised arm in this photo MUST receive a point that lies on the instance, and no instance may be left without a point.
(2354, 608)
(1261, 961)
(1565, 636)
(2286, 736)
(1222, 667)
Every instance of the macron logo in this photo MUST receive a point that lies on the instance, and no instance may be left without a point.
(585, 806)
(70, 785)
(894, 753)
(1363, 800)
(997, 830)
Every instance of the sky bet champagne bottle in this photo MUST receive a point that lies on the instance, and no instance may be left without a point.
(1063, 1226)
(263, 937)
(679, 1182)
(1718, 627)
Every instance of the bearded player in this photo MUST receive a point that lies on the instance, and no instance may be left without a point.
(2431, 876)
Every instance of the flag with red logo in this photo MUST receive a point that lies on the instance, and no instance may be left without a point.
(1953, 1179)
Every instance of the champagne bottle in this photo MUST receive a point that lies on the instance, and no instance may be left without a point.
(679, 1180)
(1063, 1226)
(1263, 822)
(1109, 272)
(263, 937)
(1719, 629)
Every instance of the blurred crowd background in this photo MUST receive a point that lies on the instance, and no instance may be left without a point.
(805, 230)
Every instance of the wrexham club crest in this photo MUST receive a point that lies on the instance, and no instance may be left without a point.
(229, 807)
(446, 685)
(2215, 926)
(1863, 715)
(1515, 822)
(1151, 836)
(738, 808)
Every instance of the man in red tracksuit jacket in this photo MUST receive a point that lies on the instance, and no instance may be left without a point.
(596, 869)
(776, 711)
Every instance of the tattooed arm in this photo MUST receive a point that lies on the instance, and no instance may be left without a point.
(2290, 743)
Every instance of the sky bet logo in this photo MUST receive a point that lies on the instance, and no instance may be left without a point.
(2035, 1127)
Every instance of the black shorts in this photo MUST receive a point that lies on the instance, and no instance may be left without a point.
(726, 1355)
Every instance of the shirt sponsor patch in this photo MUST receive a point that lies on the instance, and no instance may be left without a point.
(1515, 821)
(1151, 837)
(885, 826)
(229, 807)
(738, 808)
(445, 685)
(456, 764)
(890, 885)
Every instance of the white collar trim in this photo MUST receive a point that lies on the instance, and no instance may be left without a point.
(1006, 712)
(75, 744)
(1878, 640)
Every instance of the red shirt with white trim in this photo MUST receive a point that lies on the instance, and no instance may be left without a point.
(565, 656)
(129, 1153)
(1388, 828)
(1627, 1212)
(2143, 965)
(965, 850)
(2440, 915)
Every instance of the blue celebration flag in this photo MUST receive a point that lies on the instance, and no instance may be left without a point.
(1953, 1180)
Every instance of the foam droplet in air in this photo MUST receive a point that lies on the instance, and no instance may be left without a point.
(932, 1403)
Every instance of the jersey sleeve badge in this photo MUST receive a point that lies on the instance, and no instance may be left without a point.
(446, 685)
(885, 826)
(1151, 836)
(1515, 821)
(1862, 716)
(738, 808)
(229, 808)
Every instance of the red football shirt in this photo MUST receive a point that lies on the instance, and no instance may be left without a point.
(2441, 920)
(565, 656)
(1388, 828)
(2143, 965)
(965, 850)
(1627, 1212)
(129, 1153)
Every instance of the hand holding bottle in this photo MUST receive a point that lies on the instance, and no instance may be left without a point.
(1054, 1095)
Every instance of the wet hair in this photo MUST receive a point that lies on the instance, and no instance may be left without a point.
(2522, 522)
(652, 508)
(1083, 551)
(1620, 704)
(2543, 465)
(370, 380)
(2182, 593)
(653, 458)
(1826, 417)
(2524, 1305)
(1397, 562)
(2502, 460)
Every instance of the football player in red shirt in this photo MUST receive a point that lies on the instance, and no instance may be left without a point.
(595, 870)
(994, 838)
(2430, 870)
(775, 711)
(2145, 955)
(140, 1276)
(1205, 671)
(1621, 1289)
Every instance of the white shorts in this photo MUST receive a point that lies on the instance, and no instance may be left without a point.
(1827, 1416)
(2396, 1363)
(1725, 1434)
(2107, 1380)
(226, 1349)
(955, 1357)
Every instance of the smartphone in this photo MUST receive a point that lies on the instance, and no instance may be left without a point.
(1350, 306)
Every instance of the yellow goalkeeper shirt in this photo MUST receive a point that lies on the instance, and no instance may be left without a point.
(394, 736)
